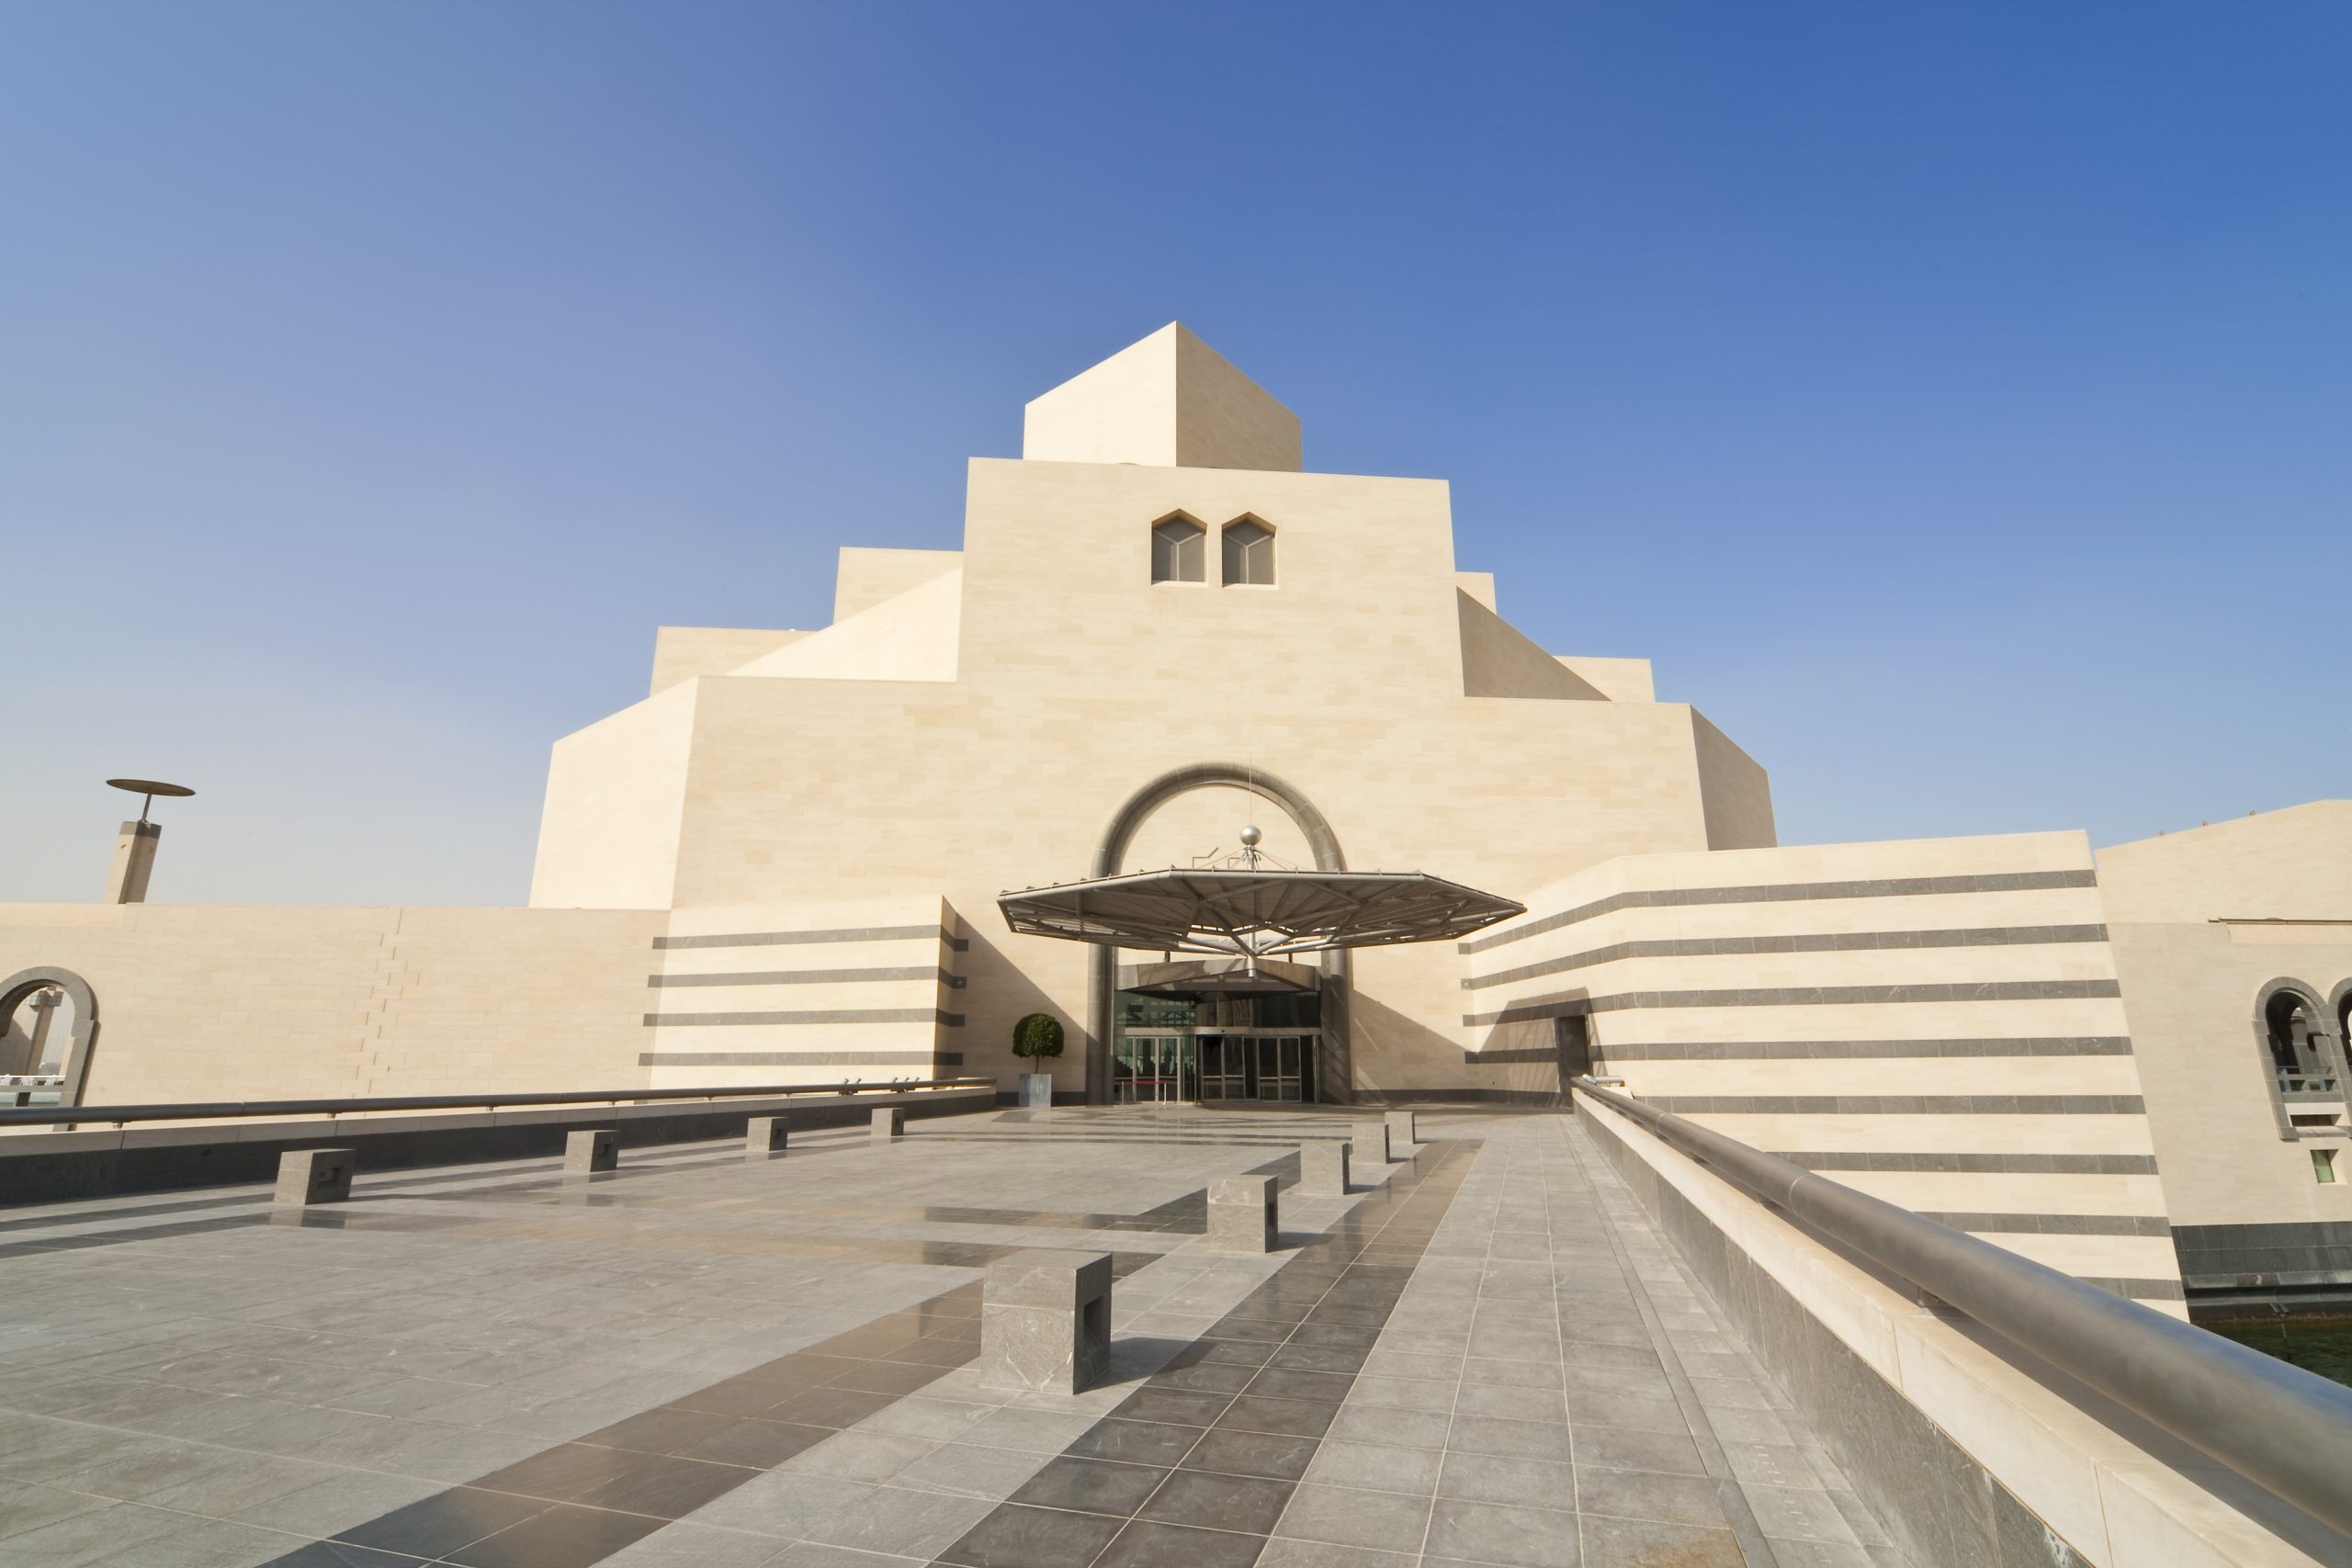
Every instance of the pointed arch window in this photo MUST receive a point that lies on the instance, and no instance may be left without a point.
(1179, 549)
(1248, 553)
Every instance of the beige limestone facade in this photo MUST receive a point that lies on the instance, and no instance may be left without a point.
(2234, 943)
(782, 864)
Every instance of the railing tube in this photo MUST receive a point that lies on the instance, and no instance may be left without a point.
(2287, 1430)
(229, 1110)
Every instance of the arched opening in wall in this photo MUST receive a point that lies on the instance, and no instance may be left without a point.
(48, 1018)
(2302, 1051)
(1320, 1071)
(2296, 1044)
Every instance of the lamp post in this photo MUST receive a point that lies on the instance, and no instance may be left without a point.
(134, 847)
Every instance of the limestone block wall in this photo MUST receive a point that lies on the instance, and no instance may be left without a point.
(860, 990)
(1937, 1022)
(236, 1003)
(2205, 923)
(2244, 1199)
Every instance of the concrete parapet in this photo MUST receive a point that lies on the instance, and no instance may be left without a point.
(764, 1134)
(1046, 1321)
(1242, 1214)
(590, 1149)
(1323, 1169)
(315, 1176)
(1371, 1143)
(101, 1161)
(1965, 1455)
(889, 1122)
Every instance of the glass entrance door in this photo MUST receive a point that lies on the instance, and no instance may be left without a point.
(1223, 1067)
(1151, 1069)
(1278, 1066)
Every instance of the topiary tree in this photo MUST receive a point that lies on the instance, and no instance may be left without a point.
(1039, 1034)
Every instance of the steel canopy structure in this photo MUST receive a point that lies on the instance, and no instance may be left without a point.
(1256, 912)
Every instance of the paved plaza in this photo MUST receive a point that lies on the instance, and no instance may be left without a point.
(1482, 1356)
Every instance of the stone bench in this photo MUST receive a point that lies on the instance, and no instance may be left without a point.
(890, 1121)
(1046, 1321)
(765, 1136)
(1323, 1168)
(315, 1176)
(1404, 1134)
(1242, 1215)
(590, 1149)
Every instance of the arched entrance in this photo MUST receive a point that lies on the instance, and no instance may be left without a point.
(83, 1031)
(1333, 1076)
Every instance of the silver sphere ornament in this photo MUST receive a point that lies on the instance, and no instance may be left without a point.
(1249, 837)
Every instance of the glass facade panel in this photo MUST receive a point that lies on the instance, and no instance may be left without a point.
(1214, 1047)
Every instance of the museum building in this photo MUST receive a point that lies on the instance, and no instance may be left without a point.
(813, 855)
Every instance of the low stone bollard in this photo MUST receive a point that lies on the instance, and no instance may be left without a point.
(890, 1121)
(1242, 1216)
(315, 1176)
(1046, 1321)
(1371, 1143)
(1323, 1169)
(590, 1149)
(1404, 1134)
(765, 1136)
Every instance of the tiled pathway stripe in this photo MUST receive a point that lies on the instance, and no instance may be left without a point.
(581, 1501)
(1194, 1468)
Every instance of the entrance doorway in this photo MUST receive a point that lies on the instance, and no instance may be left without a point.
(1216, 1047)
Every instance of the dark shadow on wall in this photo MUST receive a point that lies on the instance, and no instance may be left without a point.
(997, 995)
(1398, 1057)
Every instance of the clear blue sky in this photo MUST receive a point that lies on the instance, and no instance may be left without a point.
(1953, 401)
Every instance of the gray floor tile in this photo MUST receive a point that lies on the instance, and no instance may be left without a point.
(1343, 1517)
(1403, 1393)
(1282, 1552)
(1643, 1543)
(1497, 1533)
(1376, 1467)
(1209, 1500)
(85, 1538)
(350, 1497)
(964, 1470)
(910, 1524)
(204, 1543)
(1649, 1494)
(683, 1545)
(1518, 1439)
(1544, 1403)
(25, 1508)
(1146, 1544)
(1391, 1428)
(1621, 1448)
(1495, 1478)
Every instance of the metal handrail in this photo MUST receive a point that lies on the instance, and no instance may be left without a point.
(2283, 1428)
(235, 1109)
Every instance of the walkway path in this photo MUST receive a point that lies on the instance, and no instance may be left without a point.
(1488, 1359)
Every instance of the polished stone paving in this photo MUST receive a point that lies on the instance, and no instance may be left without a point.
(1486, 1357)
